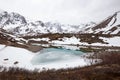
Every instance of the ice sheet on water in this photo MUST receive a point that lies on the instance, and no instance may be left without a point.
(51, 55)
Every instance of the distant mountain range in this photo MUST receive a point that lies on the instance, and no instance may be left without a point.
(16, 30)
(18, 25)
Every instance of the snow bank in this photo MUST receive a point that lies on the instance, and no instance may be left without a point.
(65, 40)
(40, 39)
(13, 54)
(114, 41)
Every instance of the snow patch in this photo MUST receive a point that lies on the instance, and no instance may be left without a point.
(65, 40)
(40, 39)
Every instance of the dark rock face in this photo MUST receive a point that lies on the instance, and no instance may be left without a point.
(107, 26)
(14, 17)
(105, 22)
(11, 18)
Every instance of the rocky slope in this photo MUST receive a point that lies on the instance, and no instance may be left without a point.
(110, 25)
(18, 25)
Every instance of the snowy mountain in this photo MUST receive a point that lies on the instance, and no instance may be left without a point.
(18, 25)
(17, 31)
(11, 20)
(38, 27)
(110, 25)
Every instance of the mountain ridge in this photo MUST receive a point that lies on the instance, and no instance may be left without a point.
(17, 24)
(110, 25)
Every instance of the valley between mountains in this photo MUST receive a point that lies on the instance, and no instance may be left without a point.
(16, 30)
(36, 50)
(36, 36)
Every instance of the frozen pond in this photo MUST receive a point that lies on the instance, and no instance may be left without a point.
(51, 55)
(48, 58)
(58, 57)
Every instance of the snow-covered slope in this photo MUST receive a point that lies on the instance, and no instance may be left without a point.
(18, 25)
(11, 20)
(61, 28)
(110, 25)
(32, 28)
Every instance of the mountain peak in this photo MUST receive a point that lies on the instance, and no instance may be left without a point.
(11, 19)
(108, 26)
(18, 25)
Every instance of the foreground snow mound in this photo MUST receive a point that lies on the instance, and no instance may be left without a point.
(10, 55)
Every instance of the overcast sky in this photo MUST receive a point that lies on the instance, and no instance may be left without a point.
(64, 11)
